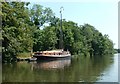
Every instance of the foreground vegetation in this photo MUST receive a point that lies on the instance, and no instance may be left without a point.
(24, 30)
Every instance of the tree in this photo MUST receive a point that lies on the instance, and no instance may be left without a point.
(17, 31)
(39, 16)
(50, 39)
(25, 29)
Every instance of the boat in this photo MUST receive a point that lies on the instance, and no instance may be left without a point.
(32, 59)
(60, 53)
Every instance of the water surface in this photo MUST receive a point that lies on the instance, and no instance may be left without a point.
(82, 69)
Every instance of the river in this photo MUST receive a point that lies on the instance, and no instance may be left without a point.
(82, 69)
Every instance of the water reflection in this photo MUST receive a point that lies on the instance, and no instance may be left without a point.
(54, 64)
(90, 69)
(82, 69)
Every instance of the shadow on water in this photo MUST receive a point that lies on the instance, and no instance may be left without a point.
(51, 64)
(82, 69)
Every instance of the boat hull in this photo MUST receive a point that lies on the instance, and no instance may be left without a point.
(52, 56)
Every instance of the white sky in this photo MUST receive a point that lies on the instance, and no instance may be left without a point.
(102, 14)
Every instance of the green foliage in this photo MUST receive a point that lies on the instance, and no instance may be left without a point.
(17, 32)
(96, 42)
(50, 38)
(24, 30)
(39, 15)
(38, 40)
(24, 55)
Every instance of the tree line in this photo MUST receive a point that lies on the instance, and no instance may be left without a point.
(117, 50)
(24, 29)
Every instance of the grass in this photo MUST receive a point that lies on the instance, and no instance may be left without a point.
(24, 55)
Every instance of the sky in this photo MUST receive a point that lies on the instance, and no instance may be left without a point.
(102, 14)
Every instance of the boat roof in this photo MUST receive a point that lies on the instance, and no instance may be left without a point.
(50, 51)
